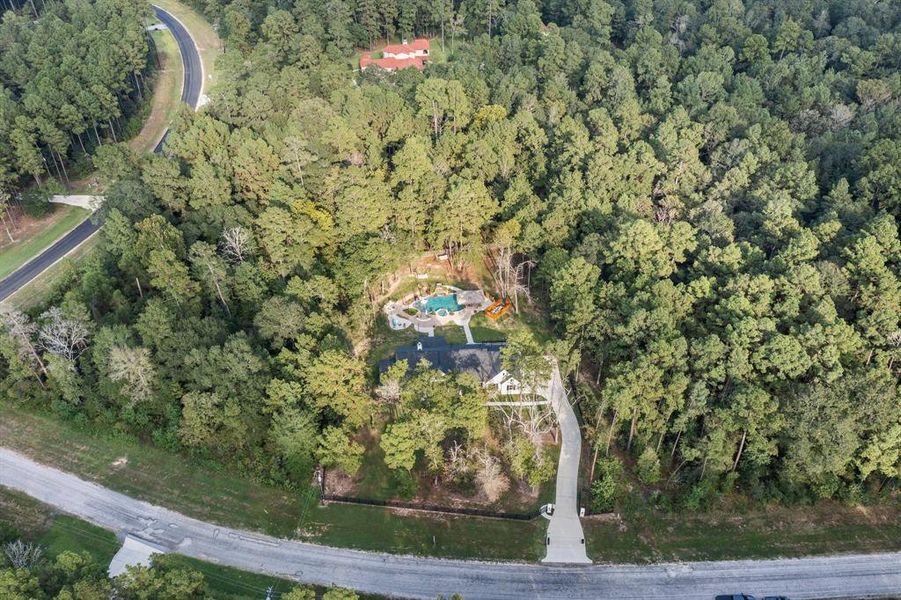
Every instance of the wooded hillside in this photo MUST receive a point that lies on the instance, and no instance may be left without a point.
(710, 191)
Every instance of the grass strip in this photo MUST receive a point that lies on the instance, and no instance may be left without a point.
(63, 219)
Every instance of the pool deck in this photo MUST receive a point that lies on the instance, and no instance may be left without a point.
(427, 322)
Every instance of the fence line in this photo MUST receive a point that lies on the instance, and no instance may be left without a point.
(434, 508)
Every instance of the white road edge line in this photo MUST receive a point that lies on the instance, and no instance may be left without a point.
(181, 83)
(196, 47)
(9, 298)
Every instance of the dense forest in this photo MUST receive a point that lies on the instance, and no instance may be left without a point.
(68, 72)
(709, 191)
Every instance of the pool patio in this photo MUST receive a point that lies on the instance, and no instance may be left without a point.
(447, 305)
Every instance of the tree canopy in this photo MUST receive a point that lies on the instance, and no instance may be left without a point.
(708, 190)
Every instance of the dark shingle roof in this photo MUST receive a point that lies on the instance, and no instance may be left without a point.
(482, 360)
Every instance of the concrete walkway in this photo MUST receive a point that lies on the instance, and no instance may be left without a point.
(843, 576)
(468, 332)
(565, 539)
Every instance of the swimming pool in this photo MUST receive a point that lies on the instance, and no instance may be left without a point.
(433, 304)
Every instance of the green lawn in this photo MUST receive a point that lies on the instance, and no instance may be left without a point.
(60, 221)
(55, 532)
(371, 528)
(187, 486)
(762, 533)
(169, 480)
(384, 341)
(226, 583)
(166, 93)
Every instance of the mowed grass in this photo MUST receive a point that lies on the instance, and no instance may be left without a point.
(167, 89)
(59, 533)
(776, 531)
(41, 288)
(226, 583)
(208, 43)
(58, 223)
(207, 491)
(384, 341)
(456, 536)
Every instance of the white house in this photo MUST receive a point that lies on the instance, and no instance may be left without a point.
(399, 56)
(506, 384)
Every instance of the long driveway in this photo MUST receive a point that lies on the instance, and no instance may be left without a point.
(565, 540)
(412, 577)
(190, 94)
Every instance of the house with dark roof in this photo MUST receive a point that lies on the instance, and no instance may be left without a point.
(482, 360)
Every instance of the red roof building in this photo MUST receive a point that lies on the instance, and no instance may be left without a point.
(399, 56)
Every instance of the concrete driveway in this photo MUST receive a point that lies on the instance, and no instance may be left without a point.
(565, 539)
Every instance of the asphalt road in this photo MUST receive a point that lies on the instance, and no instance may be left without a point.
(41, 262)
(190, 60)
(190, 94)
(843, 576)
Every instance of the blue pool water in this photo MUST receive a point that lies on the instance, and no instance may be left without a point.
(436, 303)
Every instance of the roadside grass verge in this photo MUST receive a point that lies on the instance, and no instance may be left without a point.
(166, 93)
(226, 583)
(454, 536)
(44, 286)
(208, 43)
(205, 490)
(61, 220)
(771, 532)
(59, 533)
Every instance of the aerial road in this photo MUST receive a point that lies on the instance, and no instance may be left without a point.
(190, 95)
(48, 257)
(192, 87)
(842, 576)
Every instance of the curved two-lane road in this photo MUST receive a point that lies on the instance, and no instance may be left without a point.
(849, 576)
(192, 89)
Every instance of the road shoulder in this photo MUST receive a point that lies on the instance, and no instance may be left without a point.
(207, 41)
